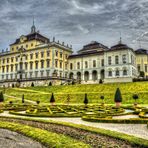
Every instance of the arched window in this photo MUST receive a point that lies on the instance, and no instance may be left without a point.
(86, 64)
(124, 72)
(117, 72)
(116, 59)
(78, 65)
(110, 73)
(71, 66)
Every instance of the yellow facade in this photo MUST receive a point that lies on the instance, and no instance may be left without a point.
(142, 63)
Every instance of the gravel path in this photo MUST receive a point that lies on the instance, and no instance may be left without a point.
(138, 130)
(9, 139)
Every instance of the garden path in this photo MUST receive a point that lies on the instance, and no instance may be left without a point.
(138, 130)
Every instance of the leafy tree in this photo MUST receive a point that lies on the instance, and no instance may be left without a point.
(50, 84)
(1, 97)
(52, 99)
(118, 97)
(85, 100)
(32, 84)
(135, 97)
(23, 100)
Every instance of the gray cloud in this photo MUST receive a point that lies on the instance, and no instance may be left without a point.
(76, 22)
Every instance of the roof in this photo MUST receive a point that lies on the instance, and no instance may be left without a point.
(94, 52)
(119, 46)
(93, 45)
(141, 51)
(33, 36)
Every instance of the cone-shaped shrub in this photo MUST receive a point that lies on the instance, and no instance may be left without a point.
(52, 99)
(85, 99)
(135, 97)
(50, 84)
(32, 84)
(1, 97)
(118, 97)
(23, 100)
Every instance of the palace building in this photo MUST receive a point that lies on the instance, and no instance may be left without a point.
(34, 58)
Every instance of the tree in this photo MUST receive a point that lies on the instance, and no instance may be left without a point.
(1, 97)
(52, 99)
(50, 84)
(102, 98)
(118, 97)
(85, 100)
(32, 84)
(135, 97)
(23, 100)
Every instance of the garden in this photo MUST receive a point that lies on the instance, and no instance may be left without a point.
(35, 114)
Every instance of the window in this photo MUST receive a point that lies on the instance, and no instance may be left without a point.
(56, 53)
(31, 65)
(36, 73)
(71, 66)
(48, 63)
(26, 66)
(26, 57)
(124, 59)
(60, 64)
(36, 65)
(61, 55)
(7, 68)
(60, 74)
(42, 54)
(31, 56)
(94, 63)
(12, 49)
(138, 67)
(47, 73)
(36, 55)
(48, 53)
(16, 67)
(66, 56)
(110, 73)
(56, 63)
(26, 45)
(78, 65)
(116, 59)
(146, 68)
(124, 72)
(86, 64)
(31, 44)
(3, 61)
(117, 72)
(42, 64)
(3, 69)
(7, 60)
(16, 59)
(12, 59)
(11, 68)
(66, 66)
(30, 74)
(102, 62)
(42, 73)
(109, 60)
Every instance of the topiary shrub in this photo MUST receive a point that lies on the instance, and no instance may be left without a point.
(23, 100)
(1, 97)
(85, 100)
(135, 97)
(102, 98)
(37, 102)
(100, 81)
(50, 83)
(52, 99)
(13, 86)
(32, 84)
(118, 98)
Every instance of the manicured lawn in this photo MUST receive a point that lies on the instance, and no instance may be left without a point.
(77, 92)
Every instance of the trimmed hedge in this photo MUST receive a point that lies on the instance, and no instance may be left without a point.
(45, 137)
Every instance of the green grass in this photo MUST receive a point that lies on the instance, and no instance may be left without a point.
(47, 138)
(77, 92)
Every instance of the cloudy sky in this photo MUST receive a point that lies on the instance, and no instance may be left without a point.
(76, 22)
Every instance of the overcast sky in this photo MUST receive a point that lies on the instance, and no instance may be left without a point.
(76, 22)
